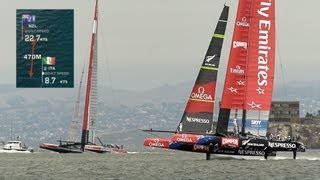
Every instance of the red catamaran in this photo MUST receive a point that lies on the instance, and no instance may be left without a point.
(244, 109)
(90, 109)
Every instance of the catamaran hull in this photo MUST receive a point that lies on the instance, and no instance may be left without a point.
(59, 149)
(240, 157)
(96, 149)
(229, 146)
(75, 148)
(240, 151)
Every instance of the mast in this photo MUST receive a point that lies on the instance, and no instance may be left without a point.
(94, 90)
(198, 114)
(85, 131)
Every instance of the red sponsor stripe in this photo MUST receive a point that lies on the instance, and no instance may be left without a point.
(93, 147)
(187, 138)
(198, 106)
(157, 142)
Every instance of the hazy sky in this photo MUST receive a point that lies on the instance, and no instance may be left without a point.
(148, 43)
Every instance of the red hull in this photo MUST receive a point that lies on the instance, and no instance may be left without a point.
(157, 142)
(186, 138)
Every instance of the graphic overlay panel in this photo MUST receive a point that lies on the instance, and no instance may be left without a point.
(45, 48)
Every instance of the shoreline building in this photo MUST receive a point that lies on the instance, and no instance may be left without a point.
(285, 112)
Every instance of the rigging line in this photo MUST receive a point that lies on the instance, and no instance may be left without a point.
(103, 132)
(74, 126)
(113, 94)
(282, 69)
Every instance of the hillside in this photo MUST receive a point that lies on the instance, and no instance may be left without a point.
(44, 115)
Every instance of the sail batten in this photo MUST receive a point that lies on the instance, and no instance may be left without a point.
(191, 99)
(218, 35)
(209, 68)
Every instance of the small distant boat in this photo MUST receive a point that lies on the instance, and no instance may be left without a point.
(73, 145)
(15, 147)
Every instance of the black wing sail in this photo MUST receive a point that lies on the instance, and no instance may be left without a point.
(198, 114)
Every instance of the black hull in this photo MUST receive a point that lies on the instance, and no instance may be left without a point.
(243, 147)
(62, 149)
(226, 151)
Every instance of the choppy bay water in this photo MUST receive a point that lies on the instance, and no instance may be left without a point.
(156, 166)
